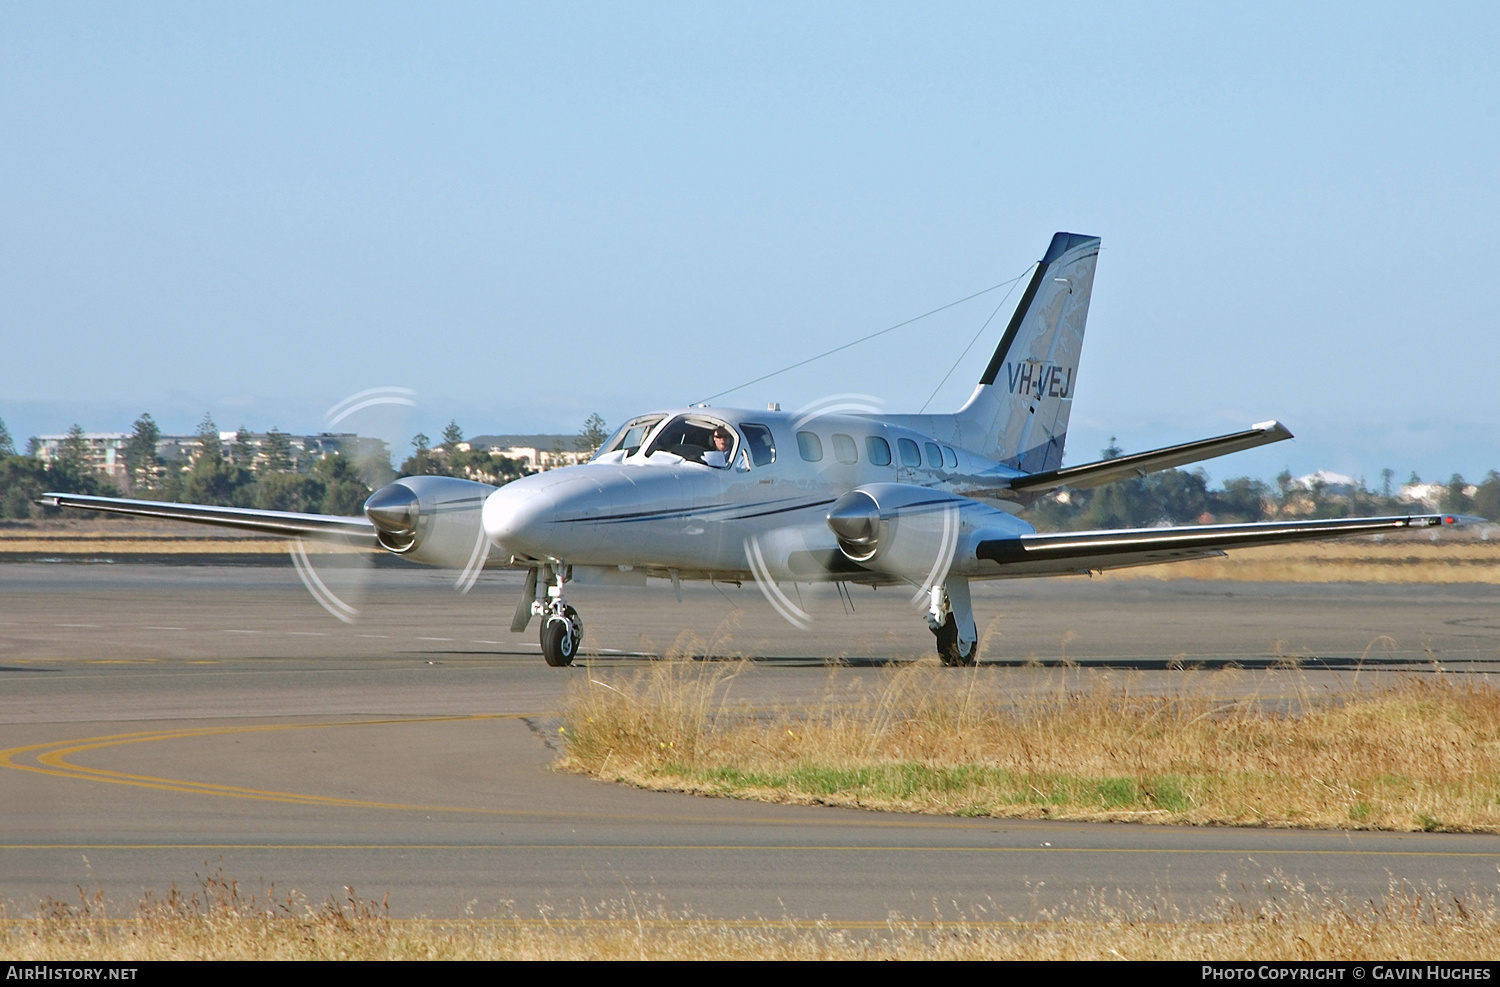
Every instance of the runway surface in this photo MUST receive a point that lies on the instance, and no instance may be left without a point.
(160, 722)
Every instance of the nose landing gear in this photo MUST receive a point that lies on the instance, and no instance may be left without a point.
(562, 630)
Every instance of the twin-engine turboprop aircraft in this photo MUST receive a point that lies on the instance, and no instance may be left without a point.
(923, 501)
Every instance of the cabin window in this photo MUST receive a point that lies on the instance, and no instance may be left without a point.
(950, 458)
(810, 446)
(844, 449)
(910, 454)
(631, 435)
(692, 438)
(879, 450)
(934, 455)
(760, 443)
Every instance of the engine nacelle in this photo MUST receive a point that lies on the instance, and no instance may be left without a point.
(432, 519)
(897, 527)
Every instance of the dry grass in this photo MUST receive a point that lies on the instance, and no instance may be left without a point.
(1289, 922)
(1423, 754)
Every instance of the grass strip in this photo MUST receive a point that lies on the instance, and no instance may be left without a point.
(1420, 754)
(1285, 921)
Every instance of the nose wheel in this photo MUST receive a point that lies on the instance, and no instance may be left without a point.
(561, 633)
(562, 630)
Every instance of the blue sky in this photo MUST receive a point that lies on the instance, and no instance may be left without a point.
(527, 213)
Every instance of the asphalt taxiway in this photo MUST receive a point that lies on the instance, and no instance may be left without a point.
(159, 723)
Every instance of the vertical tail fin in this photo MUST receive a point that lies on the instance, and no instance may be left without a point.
(1019, 412)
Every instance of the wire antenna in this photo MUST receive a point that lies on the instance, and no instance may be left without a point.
(971, 344)
(863, 339)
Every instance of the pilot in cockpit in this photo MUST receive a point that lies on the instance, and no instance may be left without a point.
(723, 445)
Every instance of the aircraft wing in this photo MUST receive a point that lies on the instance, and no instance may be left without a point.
(1140, 463)
(1082, 551)
(356, 530)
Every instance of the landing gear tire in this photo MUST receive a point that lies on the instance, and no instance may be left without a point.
(561, 635)
(947, 645)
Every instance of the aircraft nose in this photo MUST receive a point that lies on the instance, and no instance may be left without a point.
(516, 518)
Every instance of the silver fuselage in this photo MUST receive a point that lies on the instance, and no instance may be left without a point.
(652, 512)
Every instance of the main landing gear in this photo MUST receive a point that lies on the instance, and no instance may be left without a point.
(951, 620)
(562, 630)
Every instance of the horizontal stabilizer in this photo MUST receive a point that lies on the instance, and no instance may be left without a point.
(1141, 463)
(356, 530)
(1081, 551)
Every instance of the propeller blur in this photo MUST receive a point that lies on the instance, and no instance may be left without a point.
(838, 494)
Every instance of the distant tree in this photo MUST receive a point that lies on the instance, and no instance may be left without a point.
(33, 446)
(423, 461)
(1316, 489)
(1060, 511)
(593, 435)
(73, 453)
(212, 479)
(1454, 499)
(1284, 491)
(1242, 499)
(1179, 496)
(277, 449)
(7, 444)
(285, 491)
(140, 451)
(375, 471)
(344, 493)
(208, 439)
(243, 454)
(452, 435)
(22, 479)
(1124, 504)
(1487, 497)
(1414, 479)
(1113, 450)
(1386, 475)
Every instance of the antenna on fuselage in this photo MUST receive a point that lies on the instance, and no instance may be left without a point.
(864, 339)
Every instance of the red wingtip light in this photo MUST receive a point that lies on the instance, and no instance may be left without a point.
(1450, 519)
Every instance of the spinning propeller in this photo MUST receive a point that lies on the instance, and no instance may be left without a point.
(432, 519)
(897, 532)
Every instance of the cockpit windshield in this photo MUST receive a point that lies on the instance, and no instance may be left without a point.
(697, 440)
(631, 435)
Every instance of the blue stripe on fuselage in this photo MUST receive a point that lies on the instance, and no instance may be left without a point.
(698, 511)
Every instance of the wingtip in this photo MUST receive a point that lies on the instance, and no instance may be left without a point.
(1459, 520)
(1273, 427)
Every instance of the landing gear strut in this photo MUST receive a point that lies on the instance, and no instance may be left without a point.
(562, 631)
(951, 620)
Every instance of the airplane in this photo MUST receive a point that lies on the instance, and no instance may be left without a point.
(925, 501)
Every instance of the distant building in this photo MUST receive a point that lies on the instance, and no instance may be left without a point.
(538, 451)
(104, 452)
(1336, 484)
(537, 460)
(1430, 495)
